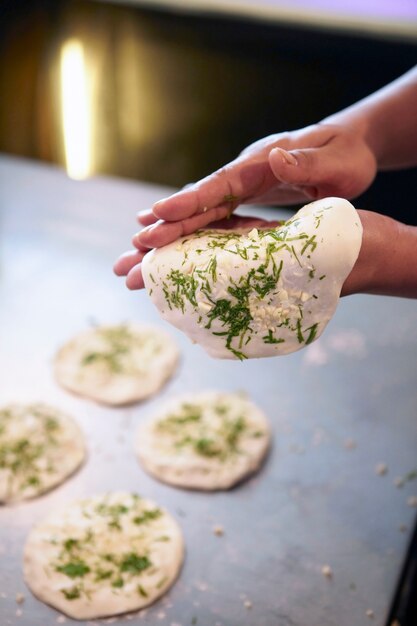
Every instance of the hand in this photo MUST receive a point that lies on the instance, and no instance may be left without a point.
(312, 163)
(130, 262)
(287, 168)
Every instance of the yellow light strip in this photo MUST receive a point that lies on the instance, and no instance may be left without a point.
(76, 117)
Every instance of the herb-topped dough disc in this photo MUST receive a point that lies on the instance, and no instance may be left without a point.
(39, 448)
(209, 440)
(261, 292)
(103, 556)
(117, 364)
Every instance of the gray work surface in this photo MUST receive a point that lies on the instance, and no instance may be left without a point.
(338, 408)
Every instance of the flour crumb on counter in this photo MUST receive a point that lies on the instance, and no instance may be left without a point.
(399, 482)
(247, 604)
(370, 614)
(327, 571)
(20, 598)
(61, 619)
(350, 444)
(381, 469)
(218, 530)
(19, 612)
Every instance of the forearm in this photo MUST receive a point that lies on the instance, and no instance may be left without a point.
(387, 262)
(387, 120)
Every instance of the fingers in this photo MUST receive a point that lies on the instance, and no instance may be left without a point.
(161, 233)
(134, 278)
(147, 217)
(126, 261)
(298, 167)
(314, 169)
(223, 186)
(335, 162)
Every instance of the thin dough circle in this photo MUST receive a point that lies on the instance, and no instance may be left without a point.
(208, 441)
(40, 447)
(117, 365)
(103, 556)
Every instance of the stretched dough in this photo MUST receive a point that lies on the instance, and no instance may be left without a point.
(258, 293)
(117, 365)
(209, 440)
(40, 447)
(104, 555)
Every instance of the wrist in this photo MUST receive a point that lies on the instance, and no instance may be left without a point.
(387, 260)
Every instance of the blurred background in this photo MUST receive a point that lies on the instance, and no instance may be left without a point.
(166, 92)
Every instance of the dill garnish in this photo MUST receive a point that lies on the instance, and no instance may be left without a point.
(269, 338)
(134, 563)
(228, 311)
(75, 569)
(118, 343)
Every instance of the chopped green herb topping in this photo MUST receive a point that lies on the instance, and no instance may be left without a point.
(23, 449)
(71, 594)
(134, 563)
(269, 338)
(205, 437)
(115, 355)
(76, 569)
(69, 544)
(147, 516)
(142, 591)
(313, 332)
(161, 582)
(230, 198)
(229, 314)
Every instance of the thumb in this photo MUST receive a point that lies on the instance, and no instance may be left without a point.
(301, 167)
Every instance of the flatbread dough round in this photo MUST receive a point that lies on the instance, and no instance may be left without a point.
(39, 448)
(117, 365)
(210, 440)
(103, 555)
(244, 294)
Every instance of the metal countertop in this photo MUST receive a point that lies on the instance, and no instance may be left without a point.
(317, 500)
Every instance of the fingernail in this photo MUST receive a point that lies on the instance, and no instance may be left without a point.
(287, 157)
(143, 234)
(159, 202)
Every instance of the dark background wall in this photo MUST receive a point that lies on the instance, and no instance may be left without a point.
(178, 95)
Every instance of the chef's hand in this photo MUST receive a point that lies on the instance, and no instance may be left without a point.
(294, 167)
(318, 161)
(129, 264)
(336, 157)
